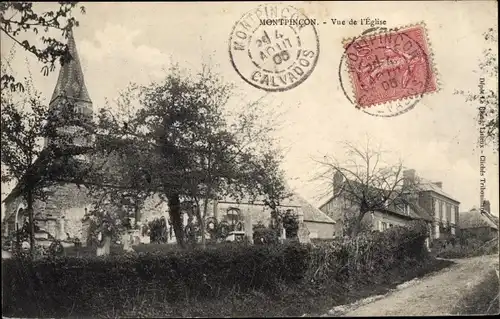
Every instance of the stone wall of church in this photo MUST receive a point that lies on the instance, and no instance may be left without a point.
(59, 214)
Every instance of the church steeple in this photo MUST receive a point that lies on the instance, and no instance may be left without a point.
(70, 88)
(71, 83)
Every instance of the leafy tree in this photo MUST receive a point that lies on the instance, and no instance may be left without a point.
(17, 18)
(365, 184)
(184, 138)
(488, 100)
(26, 121)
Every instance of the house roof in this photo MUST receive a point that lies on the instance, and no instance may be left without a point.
(429, 186)
(295, 200)
(475, 218)
(416, 211)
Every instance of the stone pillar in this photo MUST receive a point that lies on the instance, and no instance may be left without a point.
(248, 227)
(283, 233)
(215, 212)
(126, 239)
(62, 234)
(303, 232)
(436, 230)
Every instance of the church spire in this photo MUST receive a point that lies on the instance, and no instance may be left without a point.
(70, 86)
(71, 83)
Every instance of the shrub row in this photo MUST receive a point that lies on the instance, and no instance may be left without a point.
(471, 247)
(85, 286)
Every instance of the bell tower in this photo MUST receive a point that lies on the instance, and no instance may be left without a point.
(70, 100)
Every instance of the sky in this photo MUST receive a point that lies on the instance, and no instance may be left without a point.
(119, 43)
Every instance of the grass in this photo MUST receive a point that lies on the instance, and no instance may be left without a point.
(312, 299)
(483, 299)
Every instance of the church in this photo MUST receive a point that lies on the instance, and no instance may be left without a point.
(61, 214)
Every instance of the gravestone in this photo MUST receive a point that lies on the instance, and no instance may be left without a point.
(303, 234)
(105, 249)
(126, 239)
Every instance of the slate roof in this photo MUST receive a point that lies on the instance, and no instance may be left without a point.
(474, 219)
(311, 213)
(429, 186)
(70, 82)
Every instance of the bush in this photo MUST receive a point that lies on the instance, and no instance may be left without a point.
(54, 287)
(64, 286)
(368, 254)
(265, 235)
(471, 248)
(464, 245)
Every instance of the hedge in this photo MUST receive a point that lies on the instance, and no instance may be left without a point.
(69, 286)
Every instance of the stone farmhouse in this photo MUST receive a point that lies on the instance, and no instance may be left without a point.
(431, 204)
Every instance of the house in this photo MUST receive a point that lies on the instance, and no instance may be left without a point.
(429, 203)
(479, 223)
(318, 223)
(443, 207)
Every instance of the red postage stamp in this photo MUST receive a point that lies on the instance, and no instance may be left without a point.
(390, 66)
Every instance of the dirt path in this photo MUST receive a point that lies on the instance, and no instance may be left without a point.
(433, 295)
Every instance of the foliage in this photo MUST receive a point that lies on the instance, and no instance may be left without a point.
(365, 184)
(290, 222)
(350, 219)
(102, 224)
(349, 259)
(17, 18)
(48, 288)
(158, 230)
(464, 248)
(182, 141)
(206, 274)
(263, 235)
(26, 121)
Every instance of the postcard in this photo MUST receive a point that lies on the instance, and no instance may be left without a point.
(256, 159)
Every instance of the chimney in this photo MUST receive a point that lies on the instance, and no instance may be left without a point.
(486, 206)
(409, 176)
(438, 184)
(337, 181)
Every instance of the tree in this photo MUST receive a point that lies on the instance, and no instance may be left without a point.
(487, 101)
(26, 121)
(17, 18)
(184, 138)
(366, 184)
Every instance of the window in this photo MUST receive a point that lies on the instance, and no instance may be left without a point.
(441, 210)
(384, 226)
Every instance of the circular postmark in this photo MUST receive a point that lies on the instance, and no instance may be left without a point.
(274, 47)
(389, 70)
